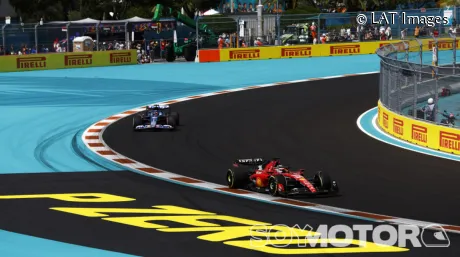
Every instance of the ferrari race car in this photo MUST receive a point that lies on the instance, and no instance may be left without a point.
(269, 176)
(156, 117)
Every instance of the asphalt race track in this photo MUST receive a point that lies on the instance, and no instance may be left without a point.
(38, 216)
(308, 125)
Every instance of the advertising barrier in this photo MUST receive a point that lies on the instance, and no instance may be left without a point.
(305, 51)
(66, 60)
(418, 132)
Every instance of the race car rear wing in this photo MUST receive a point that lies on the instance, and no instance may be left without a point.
(251, 161)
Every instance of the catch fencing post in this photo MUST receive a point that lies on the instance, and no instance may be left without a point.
(259, 19)
(4, 38)
(36, 36)
(197, 32)
(67, 36)
(435, 73)
(454, 51)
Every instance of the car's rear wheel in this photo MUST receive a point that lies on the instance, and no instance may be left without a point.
(175, 116)
(237, 177)
(171, 121)
(274, 183)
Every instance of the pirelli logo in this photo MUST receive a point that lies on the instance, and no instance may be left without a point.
(449, 141)
(443, 44)
(345, 49)
(78, 60)
(385, 120)
(120, 58)
(398, 126)
(244, 54)
(30, 62)
(419, 133)
(296, 52)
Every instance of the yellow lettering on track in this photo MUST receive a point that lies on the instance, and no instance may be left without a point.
(74, 197)
(192, 220)
(160, 209)
(264, 237)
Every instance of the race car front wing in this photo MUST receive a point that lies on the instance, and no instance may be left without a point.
(144, 127)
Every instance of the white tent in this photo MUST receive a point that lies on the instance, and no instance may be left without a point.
(137, 19)
(210, 12)
(86, 21)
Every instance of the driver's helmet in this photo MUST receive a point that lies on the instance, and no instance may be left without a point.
(156, 113)
(281, 169)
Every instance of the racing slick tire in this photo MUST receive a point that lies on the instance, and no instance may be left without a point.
(273, 183)
(324, 180)
(175, 116)
(237, 177)
(137, 120)
(171, 121)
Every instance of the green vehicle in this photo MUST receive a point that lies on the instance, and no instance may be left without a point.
(188, 48)
(296, 34)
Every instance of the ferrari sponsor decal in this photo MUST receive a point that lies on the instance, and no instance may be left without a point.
(398, 126)
(186, 220)
(449, 141)
(419, 133)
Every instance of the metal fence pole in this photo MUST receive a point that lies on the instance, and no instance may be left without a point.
(436, 70)
(318, 30)
(259, 19)
(4, 38)
(454, 52)
(414, 108)
(97, 36)
(197, 32)
(67, 34)
(36, 36)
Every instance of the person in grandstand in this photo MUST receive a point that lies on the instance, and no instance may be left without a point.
(429, 110)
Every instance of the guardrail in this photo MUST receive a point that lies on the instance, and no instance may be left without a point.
(418, 91)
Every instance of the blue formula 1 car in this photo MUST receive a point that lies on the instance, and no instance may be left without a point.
(156, 117)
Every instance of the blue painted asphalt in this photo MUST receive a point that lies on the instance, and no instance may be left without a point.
(42, 112)
(18, 245)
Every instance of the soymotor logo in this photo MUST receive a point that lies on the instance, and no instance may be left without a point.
(387, 236)
(398, 126)
(244, 54)
(296, 52)
(449, 141)
(419, 133)
(345, 49)
(120, 58)
(78, 60)
(442, 44)
(30, 62)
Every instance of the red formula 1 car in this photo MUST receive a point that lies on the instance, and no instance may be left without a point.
(264, 176)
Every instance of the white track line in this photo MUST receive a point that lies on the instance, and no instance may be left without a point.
(92, 137)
